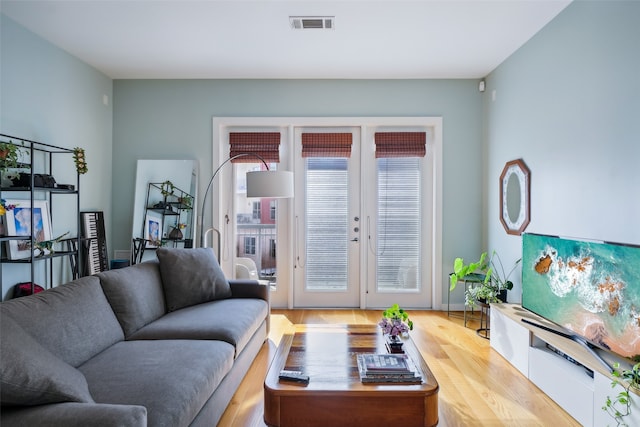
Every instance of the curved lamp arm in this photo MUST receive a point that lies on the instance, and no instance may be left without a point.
(200, 221)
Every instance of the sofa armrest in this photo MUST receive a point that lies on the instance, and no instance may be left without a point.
(247, 288)
(71, 414)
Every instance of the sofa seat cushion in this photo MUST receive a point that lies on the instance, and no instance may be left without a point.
(173, 379)
(232, 320)
(31, 375)
(73, 321)
(72, 414)
(135, 294)
(191, 276)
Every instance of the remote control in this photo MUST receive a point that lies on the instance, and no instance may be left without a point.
(294, 376)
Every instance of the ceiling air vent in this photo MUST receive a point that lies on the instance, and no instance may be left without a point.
(312, 22)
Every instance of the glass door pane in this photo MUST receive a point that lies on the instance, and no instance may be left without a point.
(327, 222)
(399, 213)
(256, 229)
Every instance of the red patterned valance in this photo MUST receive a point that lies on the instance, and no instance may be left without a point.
(400, 144)
(326, 144)
(264, 144)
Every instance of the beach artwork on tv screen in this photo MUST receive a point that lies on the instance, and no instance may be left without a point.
(589, 288)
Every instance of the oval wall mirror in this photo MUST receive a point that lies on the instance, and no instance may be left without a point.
(515, 186)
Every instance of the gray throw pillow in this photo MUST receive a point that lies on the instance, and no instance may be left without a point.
(31, 375)
(191, 276)
(135, 294)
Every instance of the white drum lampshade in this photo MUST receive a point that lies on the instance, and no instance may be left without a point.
(270, 184)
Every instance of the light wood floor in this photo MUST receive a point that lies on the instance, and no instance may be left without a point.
(477, 386)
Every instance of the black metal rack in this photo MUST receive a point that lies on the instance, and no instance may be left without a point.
(168, 202)
(44, 154)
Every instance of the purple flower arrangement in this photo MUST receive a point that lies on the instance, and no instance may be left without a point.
(395, 321)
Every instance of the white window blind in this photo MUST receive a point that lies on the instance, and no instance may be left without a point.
(399, 223)
(326, 223)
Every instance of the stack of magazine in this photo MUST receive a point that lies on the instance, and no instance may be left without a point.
(387, 368)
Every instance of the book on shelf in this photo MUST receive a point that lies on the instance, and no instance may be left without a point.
(387, 368)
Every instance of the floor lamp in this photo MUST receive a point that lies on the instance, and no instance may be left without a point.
(266, 183)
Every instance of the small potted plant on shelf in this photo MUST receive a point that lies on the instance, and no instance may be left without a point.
(9, 155)
(619, 407)
(186, 201)
(9, 158)
(493, 281)
(395, 322)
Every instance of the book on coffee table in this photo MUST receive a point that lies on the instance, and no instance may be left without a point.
(387, 368)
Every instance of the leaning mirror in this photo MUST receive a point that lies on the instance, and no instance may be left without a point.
(515, 186)
(165, 196)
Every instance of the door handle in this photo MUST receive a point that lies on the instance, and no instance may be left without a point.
(355, 239)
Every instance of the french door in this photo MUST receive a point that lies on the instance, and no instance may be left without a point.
(327, 217)
(364, 226)
(399, 216)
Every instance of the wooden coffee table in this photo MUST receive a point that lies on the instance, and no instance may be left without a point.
(335, 396)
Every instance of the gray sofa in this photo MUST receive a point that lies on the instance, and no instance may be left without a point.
(162, 343)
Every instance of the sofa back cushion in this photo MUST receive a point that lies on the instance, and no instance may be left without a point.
(73, 321)
(191, 276)
(31, 375)
(135, 294)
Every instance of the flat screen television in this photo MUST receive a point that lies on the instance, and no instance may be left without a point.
(591, 289)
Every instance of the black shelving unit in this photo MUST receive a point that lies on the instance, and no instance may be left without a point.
(172, 206)
(39, 159)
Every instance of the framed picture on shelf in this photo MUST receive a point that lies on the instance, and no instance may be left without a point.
(18, 223)
(153, 229)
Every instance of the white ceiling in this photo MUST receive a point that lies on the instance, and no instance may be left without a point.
(253, 39)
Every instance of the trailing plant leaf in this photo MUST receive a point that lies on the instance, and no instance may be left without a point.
(620, 407)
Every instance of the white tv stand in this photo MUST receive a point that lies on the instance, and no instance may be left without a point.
(580, 385)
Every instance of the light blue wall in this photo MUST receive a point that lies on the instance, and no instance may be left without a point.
(50, 96)
(568, 103)
(173, 119)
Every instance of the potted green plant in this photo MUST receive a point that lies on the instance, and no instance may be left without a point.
(494, 281)
(462, 270)
(186, 201)
(619, 407)
(9, 155)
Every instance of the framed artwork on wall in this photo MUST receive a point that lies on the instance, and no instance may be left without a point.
(153, 229)
(19, 223)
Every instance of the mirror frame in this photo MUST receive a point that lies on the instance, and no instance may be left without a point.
(520, 170)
